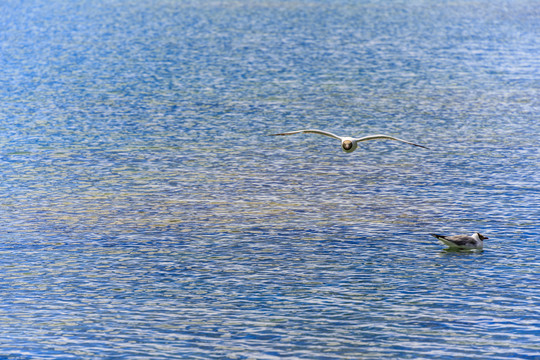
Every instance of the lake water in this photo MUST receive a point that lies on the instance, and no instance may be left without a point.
(145, 213)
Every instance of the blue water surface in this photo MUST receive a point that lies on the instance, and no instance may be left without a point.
(145, 213)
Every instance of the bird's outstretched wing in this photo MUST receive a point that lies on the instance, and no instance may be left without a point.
(375, 137)
(309, 131)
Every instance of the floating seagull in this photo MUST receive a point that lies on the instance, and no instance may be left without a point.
(463, 242)
(348, 144)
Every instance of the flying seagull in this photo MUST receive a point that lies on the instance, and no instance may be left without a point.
(348, 144)
(463, 242)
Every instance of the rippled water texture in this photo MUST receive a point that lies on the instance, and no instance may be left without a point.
(145, 213)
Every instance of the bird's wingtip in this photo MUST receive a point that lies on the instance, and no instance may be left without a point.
(422, 146)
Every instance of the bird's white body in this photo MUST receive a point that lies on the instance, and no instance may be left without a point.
(462, 242)
(348, 144)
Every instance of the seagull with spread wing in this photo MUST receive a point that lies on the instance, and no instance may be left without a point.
(348, 144)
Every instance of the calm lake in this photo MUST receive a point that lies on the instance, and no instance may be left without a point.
(146, 213)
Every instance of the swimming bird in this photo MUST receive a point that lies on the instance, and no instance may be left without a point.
(463, 242)
(348, 144)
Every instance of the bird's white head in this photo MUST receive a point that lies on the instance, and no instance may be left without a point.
(348, 145)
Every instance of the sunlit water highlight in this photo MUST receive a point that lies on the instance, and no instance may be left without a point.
(146, 213)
